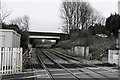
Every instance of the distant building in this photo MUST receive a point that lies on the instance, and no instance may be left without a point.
(119, 7)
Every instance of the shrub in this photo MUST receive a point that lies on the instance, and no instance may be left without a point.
(65, 44)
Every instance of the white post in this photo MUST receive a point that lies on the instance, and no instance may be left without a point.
(14, 50)
(16, 58)
(20, 60)
(108, 55)
(119, 59)
(3, 58)
(13, 63)
(83, 51)
(119, 44)
(7, 60)
(21, 50)
(0, 62)
(0, 59)
(87, 51)
(10, 59)
(18, 51)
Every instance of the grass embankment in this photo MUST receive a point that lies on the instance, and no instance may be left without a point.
(65, 51)
(101, 45)
(97, 45)
(30, 60)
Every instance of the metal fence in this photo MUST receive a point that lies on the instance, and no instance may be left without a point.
(10, 60)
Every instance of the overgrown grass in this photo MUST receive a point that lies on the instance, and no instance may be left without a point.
(97, 45)
(65, 51)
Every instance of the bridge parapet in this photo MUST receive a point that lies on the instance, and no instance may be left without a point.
(49, 35)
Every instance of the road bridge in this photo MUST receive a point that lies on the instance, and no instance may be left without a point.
(48, 35)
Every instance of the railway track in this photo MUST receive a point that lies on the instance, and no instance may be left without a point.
(57, 64)
(62, 69)
(69, 58)
(80, 68)
(44, 66)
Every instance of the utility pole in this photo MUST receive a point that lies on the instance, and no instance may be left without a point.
(119, 54)
(0, 39)
(119, 7)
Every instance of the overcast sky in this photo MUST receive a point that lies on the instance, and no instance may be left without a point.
(44, 14)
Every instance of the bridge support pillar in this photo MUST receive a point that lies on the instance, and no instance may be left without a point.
(57, 41)
(31, 42)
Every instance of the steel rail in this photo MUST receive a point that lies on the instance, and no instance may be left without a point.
(66, 59)
(78, 64)
(68, 56)
(46, 54)
(44, 66)
(62, 57)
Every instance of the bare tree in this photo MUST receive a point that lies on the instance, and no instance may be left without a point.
(77, 15)
(4, 12)
(66, 15)
(17, 21)
(98, 18)
(25, 22)
(22, 22)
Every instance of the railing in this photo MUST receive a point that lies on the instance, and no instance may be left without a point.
(11, 60)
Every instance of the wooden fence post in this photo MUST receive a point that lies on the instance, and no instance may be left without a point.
(7, 60)
(0, 60)
(10, 60)
(3, 59)
(17, 58)
(21, 50)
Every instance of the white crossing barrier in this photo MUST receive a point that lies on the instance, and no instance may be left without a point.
(113, 56)
(11, 60)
